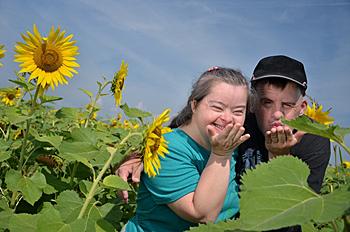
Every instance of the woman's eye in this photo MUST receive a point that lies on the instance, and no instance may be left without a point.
(238, 112)
(217, 108)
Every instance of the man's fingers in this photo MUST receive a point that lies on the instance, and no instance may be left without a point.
(136, 173)
(268, 138)
(299, 135)
(281, 135)
(124, 195)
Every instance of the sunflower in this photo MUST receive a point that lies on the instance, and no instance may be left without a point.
(118, 83)
(9, 96)
(2, 52)
(49, 60)
(346, 164)
(155, 144)
(315, 112)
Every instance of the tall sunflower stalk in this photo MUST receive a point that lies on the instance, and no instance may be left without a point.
(48, 60)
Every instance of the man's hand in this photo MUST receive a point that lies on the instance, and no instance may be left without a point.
(279, 140)
(133, 166)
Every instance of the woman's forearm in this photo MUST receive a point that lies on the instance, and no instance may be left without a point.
(205, 203)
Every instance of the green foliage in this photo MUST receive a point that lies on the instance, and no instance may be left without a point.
(57, 165)
(276, 195)
(333, 132)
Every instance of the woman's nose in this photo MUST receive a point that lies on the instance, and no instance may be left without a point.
(227, 116)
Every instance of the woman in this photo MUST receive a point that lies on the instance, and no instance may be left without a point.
(196, 182)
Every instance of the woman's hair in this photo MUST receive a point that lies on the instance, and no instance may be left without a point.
(202, 86)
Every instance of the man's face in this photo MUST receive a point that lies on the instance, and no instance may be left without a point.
(273, 102)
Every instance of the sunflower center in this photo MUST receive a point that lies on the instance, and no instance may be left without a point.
(11, 96)
(48, 59)
(156, 145)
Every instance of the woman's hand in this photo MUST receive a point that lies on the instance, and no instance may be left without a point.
(224, 143)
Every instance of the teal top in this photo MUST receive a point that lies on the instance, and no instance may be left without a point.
(179, 175)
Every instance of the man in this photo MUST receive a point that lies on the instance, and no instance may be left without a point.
(278, 84)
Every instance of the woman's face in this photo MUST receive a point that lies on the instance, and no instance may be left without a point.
(224, 104)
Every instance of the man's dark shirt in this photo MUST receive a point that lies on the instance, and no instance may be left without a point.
(312, 149)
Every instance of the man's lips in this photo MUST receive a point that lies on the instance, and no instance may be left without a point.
(276, 124)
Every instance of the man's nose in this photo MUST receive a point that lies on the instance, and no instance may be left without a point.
(278, 113)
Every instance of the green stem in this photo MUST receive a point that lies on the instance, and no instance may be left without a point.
(100, 175)
(13, 199)
(335, 227)
(93, 104)
(346, 148)
(24, 145)
(26, 132)
(72, 175)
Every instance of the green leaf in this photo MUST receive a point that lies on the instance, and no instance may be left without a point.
(308, 227)
(104, 226)
(335, 204)
(227, 226)
(79, 151)
(113, 181)
(84, 135)
(341, 132)
(87, 92)
(134, 112)
(50, 218)
(85, 187)
(5, 214)
(31, 187)
(4, 155)
(45, 99)
(23, 223)
(304, 123)
(277, 194)
(54, 140)
(68, 113)
(69, 204)
(15, 117)
(55, 182)
(24, 84)
(111, 213)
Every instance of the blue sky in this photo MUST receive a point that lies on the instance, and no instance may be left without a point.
(168, 44)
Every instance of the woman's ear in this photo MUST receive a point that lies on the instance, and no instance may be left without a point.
(193, 105)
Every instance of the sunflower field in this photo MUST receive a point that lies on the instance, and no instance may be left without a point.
(57, 166)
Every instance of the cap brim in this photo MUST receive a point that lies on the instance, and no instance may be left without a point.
(304, 85)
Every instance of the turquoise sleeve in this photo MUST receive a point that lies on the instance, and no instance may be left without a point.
(177, 176)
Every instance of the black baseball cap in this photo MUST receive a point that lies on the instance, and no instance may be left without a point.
(282, 67)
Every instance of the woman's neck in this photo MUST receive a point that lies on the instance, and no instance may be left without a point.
(194, 133)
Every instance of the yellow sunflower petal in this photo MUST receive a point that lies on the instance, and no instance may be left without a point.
(48, 59)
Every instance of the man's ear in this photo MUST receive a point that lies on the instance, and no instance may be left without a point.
(193, 105)
(252, 103)
(303, 107)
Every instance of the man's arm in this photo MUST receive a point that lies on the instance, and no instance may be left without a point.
(132, 166)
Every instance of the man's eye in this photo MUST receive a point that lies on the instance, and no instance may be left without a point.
(288, 106)
(266, 103)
